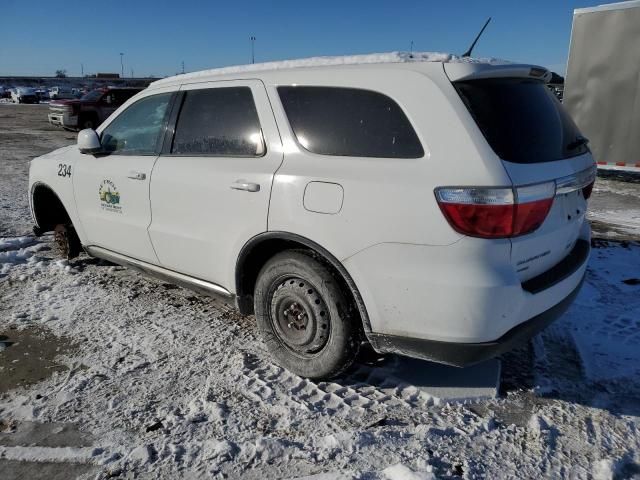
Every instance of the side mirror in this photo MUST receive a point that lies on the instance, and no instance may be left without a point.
(88, 141)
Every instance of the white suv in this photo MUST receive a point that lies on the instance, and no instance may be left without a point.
(435, 209)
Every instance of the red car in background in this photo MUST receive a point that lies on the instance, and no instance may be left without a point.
(90, 110)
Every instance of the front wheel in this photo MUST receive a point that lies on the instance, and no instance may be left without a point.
(67, 241)
(306, 320)
(87, 121)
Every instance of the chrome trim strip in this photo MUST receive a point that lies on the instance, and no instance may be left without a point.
(577, 181)
(179, 278)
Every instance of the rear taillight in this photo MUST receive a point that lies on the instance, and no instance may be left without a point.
(496, 212)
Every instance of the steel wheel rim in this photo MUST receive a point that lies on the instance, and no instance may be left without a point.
(299, 316)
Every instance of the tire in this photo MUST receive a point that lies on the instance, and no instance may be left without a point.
(87, 121)
(67, 241)
(307, 322)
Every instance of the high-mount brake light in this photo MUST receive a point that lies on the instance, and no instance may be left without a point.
(496, 212)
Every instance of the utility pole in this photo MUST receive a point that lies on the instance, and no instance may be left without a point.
(253, 56)
(82, 70)
(132, 73)
(411, 48)
(121, 66)
(183, 66)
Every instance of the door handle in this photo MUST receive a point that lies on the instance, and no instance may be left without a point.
(137, 175)
(246, 186)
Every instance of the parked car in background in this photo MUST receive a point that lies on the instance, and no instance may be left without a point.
(90, 110)
(56, 93)
(24, 95)
(43, 94)
(437, 210)
(4, 92)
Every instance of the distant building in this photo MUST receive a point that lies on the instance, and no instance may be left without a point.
(107, 75)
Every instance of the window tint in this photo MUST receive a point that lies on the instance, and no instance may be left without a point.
(521, 119)
(139, 128)
(218, 122)
(121, 96)
(348, 121)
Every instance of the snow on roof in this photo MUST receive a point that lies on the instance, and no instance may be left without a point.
(387, 57)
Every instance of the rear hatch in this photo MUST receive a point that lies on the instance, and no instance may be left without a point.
(537, 142)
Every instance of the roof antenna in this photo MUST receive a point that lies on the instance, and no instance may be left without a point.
(468, 52)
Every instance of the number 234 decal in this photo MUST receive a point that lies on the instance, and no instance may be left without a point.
(64, 170)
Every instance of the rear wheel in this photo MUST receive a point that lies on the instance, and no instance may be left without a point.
(67, 241)
(306, 321)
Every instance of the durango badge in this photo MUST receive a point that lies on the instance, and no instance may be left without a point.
(109, 197)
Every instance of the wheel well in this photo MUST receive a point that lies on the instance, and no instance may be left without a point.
(260, 249)
(48, 210)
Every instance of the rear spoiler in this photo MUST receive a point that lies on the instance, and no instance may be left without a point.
(477, 71)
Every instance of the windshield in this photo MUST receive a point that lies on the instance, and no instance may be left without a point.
(92, 96)
(522, 120)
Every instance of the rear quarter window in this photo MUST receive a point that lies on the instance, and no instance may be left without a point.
(349, 122)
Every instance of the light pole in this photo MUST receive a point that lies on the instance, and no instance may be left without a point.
(253, 57)
(121, 66)
(82, 70)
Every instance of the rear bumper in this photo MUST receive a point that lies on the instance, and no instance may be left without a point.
(461, 303)
(465, 354)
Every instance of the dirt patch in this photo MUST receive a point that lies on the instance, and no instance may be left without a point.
(28, 356)
(14, 470)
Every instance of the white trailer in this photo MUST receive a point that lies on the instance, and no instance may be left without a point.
(602, 85)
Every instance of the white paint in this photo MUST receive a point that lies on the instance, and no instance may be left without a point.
(418, 277)
(323, 197)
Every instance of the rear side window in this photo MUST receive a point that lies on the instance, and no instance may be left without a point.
(218, 122)
(350, 122)
(521, 119)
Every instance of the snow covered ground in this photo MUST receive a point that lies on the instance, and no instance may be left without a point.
(153, 381)
(614, 209)
(170, 385)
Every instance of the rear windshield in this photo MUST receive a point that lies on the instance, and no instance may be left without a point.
(521, 119)
(92, 96)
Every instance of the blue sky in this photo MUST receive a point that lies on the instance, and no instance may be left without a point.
(39, 37)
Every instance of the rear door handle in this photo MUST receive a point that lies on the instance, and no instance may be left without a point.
(246, 186)
(137, 175)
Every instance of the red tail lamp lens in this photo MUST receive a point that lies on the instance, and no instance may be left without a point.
(496, 212)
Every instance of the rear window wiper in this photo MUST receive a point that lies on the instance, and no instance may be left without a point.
(578, 142)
